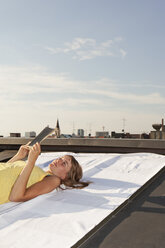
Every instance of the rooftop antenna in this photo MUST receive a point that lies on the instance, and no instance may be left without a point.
(124, 120)
(90, 129)
(73, 127)
(103, 128)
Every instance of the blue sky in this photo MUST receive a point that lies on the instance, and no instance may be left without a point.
(88, 63)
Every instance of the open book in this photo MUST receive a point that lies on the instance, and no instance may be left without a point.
(42, 135)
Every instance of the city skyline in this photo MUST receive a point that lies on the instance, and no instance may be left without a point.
(91, 64)
(86, 132)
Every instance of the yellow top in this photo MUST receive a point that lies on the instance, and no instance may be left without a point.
(9, 172)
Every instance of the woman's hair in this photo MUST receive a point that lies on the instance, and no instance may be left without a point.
(75, 174)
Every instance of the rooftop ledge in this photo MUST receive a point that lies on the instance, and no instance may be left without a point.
(90, 145)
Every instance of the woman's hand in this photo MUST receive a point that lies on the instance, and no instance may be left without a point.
(34, 152)
(23, 151)
(19, 191)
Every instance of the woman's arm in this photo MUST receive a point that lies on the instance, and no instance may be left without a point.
(22, 153)
(45, 186)
(19, 191)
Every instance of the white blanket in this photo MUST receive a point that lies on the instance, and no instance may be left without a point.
(61, 218)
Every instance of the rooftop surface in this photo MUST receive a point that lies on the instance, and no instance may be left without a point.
(139, 223)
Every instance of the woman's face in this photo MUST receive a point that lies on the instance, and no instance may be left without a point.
(61, 166)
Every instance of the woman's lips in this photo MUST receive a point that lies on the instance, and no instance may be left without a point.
(53, 164)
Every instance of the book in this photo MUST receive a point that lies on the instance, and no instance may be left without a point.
(42, 135)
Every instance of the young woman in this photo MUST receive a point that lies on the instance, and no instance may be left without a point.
(22, 181)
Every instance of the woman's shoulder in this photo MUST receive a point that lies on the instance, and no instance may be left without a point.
(12, 165)
(16, 163)
(53, 179)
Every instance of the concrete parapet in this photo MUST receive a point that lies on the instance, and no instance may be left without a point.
(90, 145)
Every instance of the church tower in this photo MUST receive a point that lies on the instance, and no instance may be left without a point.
(57, 130)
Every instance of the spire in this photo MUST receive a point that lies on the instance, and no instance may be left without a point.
(58, 125)
(57, 130)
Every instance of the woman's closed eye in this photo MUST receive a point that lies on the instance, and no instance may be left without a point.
(64, 162)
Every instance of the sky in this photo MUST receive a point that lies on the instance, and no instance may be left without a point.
(96, 65)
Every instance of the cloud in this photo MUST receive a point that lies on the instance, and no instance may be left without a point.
(32, 97)
(151, 99)
(123, 53)
(147, 84)
(70, 102)
(86, 48)
(36, 84)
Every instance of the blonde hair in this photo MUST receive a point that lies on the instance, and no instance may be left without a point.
(75, 174)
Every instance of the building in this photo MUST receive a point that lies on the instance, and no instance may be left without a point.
(15, 134)
(102, 134)
(66, 136)
(159, 132)
(129, 135)
(57, 130)
(31, 134)
(80, 132)
(145, 136)
(74, 135)
(132, 135)
(117, 135)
